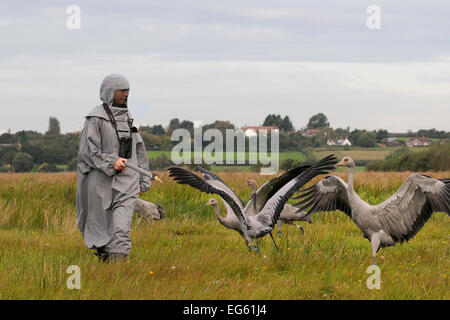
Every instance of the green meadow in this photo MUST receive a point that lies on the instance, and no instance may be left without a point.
(189, 255)
(230, 156)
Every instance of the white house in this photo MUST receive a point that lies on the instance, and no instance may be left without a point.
(418, 142)
(339, 142)
(251, 131)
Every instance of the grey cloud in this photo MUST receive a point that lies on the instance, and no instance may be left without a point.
(240, 59)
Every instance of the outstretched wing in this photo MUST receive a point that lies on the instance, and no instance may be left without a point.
(215, 181)
(329, 194)
(270, 213)
(407, 210)
(268, 189)
(183, 176)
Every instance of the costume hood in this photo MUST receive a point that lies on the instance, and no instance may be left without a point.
(110, 84)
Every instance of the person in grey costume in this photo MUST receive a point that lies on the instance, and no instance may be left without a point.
(106, 192)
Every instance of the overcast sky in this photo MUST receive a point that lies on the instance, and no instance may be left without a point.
(235, 60)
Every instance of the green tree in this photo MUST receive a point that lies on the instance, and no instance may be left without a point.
(435, 158)
(299, 141)
(272, 120)
(223, 125)
(433, 133)
(151, 141)
(339, 133)
(22, 162)
(367, 139)
(72, 165)
(7, 154)
(382, 134)
(318, 121)
(167, 144)
(53, 127)
(58, 151)
(34, 149)
(32, 135)
(6, 138)
(147, 129)
(319, 140)
(286, 125)
(186, 124)
(285, 141)
(21, 136)
(158, 130)
(219, 125)
(173, 124)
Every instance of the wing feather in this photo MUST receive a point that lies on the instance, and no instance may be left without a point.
(329, 194)
(270, 213)
(183, 176)
(268, 189)
(407, 210)
(211, 178)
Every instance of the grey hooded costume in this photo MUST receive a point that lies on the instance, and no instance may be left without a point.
(105, 199)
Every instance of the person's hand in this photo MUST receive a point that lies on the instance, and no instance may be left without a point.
(120, 164)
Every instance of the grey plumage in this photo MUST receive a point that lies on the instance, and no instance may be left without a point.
(147, 210)
(255, 220)
(289, 214)
(395, 220)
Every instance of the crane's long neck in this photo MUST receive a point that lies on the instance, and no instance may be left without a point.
(355, 201)
(253, 198)
(351, 175)
(219, 217)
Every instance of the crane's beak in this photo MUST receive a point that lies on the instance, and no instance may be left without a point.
(158, 179)
(208, 203)
(340, 164)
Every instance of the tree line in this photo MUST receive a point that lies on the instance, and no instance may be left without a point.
(23, 150)
(436, 158)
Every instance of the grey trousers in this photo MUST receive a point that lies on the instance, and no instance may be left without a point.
(121, 218)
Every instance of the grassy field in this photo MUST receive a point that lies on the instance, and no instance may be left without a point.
(233, 155)
(355, 153)
(189, 255)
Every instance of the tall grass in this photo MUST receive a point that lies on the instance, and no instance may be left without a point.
(189, 255)
(37, 200)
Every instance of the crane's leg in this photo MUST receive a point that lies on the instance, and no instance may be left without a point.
(300, 228)
(138, 222)
(279, 227)
(249, 246)
(270, 233)
(255, 247)
(375, 241)
(258, 241)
